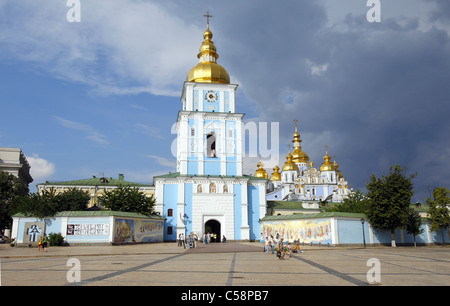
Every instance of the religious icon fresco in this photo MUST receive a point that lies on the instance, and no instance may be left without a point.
(314, 231)
(130, 231)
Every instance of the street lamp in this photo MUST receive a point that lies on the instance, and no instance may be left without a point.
(364, 236)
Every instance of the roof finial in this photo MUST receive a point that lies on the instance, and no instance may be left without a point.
(207, 15)
(295, 120)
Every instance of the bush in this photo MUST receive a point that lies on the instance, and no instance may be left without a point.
(55, 239)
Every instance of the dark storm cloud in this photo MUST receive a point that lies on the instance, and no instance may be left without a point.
(376, 93)
(382, 99)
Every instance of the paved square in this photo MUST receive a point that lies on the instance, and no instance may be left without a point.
(231, 264)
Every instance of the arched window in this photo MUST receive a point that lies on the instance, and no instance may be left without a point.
(193, 131)
(211, 145)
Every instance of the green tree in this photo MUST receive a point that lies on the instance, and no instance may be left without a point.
(73, 199)
(438, 212)
(11, 189)
(128, 199)
(39, 205)
(414, 223)
(355, 203)
(389, 200)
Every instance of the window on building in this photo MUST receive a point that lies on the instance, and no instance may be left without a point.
(170, 212)
(169, 230)
(211, 145)
(192, 131)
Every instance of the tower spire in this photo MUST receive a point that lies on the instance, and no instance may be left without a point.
(207, 15)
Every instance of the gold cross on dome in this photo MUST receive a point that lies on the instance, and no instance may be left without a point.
(207, 15)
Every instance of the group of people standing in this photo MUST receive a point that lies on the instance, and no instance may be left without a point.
(283, 248)
(43, 243)
(192, 240)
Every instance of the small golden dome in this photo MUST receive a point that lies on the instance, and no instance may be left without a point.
(261, 173)
(276, 176)
(336, 166)
(207, 70)
(327, 165)
(289, 165)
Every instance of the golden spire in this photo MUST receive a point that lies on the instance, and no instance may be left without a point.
(207, 70)
(327, 165)
(298, 156)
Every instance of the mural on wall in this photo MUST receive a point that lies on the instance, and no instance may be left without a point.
(314, 231)
(129, 230)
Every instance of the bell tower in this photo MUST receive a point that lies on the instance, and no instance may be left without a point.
(209, 130)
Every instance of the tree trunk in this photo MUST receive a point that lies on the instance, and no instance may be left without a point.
(392, 240)
(415, 245)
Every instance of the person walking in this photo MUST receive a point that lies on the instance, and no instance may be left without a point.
(45, 243)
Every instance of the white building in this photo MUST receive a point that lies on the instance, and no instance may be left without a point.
(300, 181)
(13, 161)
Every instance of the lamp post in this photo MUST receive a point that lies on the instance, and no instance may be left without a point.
(364, 236)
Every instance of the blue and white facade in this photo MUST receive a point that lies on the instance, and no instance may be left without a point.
(209, 190)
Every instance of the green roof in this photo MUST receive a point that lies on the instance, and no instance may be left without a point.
(314, 216)
(97, 181)
(177, 174)
(100, 213)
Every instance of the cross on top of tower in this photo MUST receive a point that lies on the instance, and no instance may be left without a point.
(207, 15)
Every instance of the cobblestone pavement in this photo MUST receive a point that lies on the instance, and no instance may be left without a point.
(230, 264)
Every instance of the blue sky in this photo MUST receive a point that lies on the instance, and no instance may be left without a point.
(100, 97)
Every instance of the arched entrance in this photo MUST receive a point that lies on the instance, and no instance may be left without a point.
(213, 227)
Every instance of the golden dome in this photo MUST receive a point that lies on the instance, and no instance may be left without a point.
(327, 165)
(276, 176)
(336, 166)
(298, 156)
(207, 70)
(261, 173)
(289, 165)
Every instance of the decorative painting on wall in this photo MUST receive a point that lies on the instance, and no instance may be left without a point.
(310, 231)
(131, 231)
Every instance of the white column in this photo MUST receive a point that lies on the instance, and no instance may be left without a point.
(181, 228)
(189, 98)
(239, 144)
(201, 147)
(159, 197)
(262, 201)
(64, 227)
(223, 147)
(245, 228)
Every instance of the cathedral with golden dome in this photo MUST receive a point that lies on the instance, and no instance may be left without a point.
(299, 180)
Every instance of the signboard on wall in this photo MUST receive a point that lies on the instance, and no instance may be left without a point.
(93, 229)
(33, 231)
